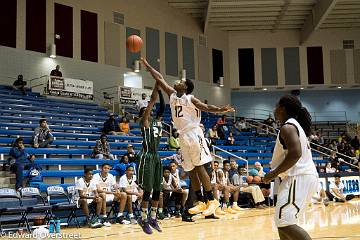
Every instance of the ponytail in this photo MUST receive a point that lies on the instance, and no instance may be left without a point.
(304, 119)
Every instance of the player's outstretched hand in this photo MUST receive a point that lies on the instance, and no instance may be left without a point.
(269, 176)
(227, 108)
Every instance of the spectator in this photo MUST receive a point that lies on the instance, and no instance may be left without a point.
(333, 145)
(255, 190)
(42, 137)
(270, 124)
(241, 125)
(123, 165)
(56, 72)
(142, 103)
(320, 138)
(329, 168)
(234, 190)
(130, 154)
(20, 84)
(124, 126)
(213, 134)
(206, 101)
(337, 190)
(260, 169)
(106, 183)
(221, 121)
(128, 185)
(88, 195)
(221, 127)
(177, 157)
(230, 139)
(23, 161)
(174, 142)
(102, 149)
(111, 126)
(233, 170)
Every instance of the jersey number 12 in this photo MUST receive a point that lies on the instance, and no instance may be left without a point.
(178, 111)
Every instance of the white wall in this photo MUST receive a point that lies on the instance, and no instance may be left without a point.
(328, 39)
(138, 14)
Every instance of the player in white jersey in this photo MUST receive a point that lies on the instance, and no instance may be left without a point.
(292, 162)
(186, 115)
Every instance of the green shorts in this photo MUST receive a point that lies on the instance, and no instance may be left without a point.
(150, 173)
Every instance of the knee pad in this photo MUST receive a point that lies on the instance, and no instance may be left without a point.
(156, 195)
(146, 196)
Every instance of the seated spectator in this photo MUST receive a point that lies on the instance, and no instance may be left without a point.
(260, 169)
(333, 145)
(88, 195)
(254, 189)
(128, 185)
(124, 126)
(102, 149)
(320, 138)
(142, 103)
(20, 84)
(23, 161)
(111, 126)
(230, 140)
(337, 190)
(177, 157)
(241, 125)
(131, 154)
(213, 134)
(221, 127)
(56, 72)
(174, 140)
(234, 190)
(329, 169)
(221, 121)
(270, 124)
(123, 165)
(172, 190)
(42, 137)
(106, 183)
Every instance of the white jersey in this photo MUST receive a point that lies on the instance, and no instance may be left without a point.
(105, 183)
(305, 165)
(87, 188)
(184, 113)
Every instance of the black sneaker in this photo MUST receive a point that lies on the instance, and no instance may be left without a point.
(161, 216)
(177, 214)
(122, 220)
(212, 216)
(187, 217)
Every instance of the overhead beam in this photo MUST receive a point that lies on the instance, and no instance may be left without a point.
(281, 15)
(319, 13)
(207, 15)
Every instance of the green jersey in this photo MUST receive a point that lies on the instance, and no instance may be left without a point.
(151, 136)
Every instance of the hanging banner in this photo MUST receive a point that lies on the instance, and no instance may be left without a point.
(69, 87)
(129, 96)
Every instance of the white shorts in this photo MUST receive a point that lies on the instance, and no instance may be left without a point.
(293, 196)
(109, 197)
(194, 149)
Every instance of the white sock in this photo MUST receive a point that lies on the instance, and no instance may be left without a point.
(131, 215)
(120, 214)
(104, 216)
(234, 204)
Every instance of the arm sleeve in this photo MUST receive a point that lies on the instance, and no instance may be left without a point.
(161, 109)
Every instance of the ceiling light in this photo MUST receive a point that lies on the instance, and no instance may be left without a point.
(265, 89)
(339, 87)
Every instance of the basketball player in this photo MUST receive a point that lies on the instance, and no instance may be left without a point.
(150, 172)
(186, 114)
(89, 195)
(292, 162)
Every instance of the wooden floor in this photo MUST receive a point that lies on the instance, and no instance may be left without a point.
(336, 221)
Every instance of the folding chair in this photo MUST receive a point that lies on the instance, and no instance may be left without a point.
(61, 202)
(36, 205)
(74, 197)
(11, 209)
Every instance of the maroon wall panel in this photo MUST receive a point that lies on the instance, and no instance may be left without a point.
(36, 25)
(315, 65)
(89, 36)
(64, 28)
(8, 23)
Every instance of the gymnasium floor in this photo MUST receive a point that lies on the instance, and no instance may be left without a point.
(337, 221)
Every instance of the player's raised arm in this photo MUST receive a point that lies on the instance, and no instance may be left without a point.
(159, 78)
(147, 113)
(211, 108)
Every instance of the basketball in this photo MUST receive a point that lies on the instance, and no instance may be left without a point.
(134, 43)
(257, 179)
(249, 179)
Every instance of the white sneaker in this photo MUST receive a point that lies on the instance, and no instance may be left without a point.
(107, 224)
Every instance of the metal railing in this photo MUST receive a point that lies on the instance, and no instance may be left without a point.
(232, 155)
(311, 143)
